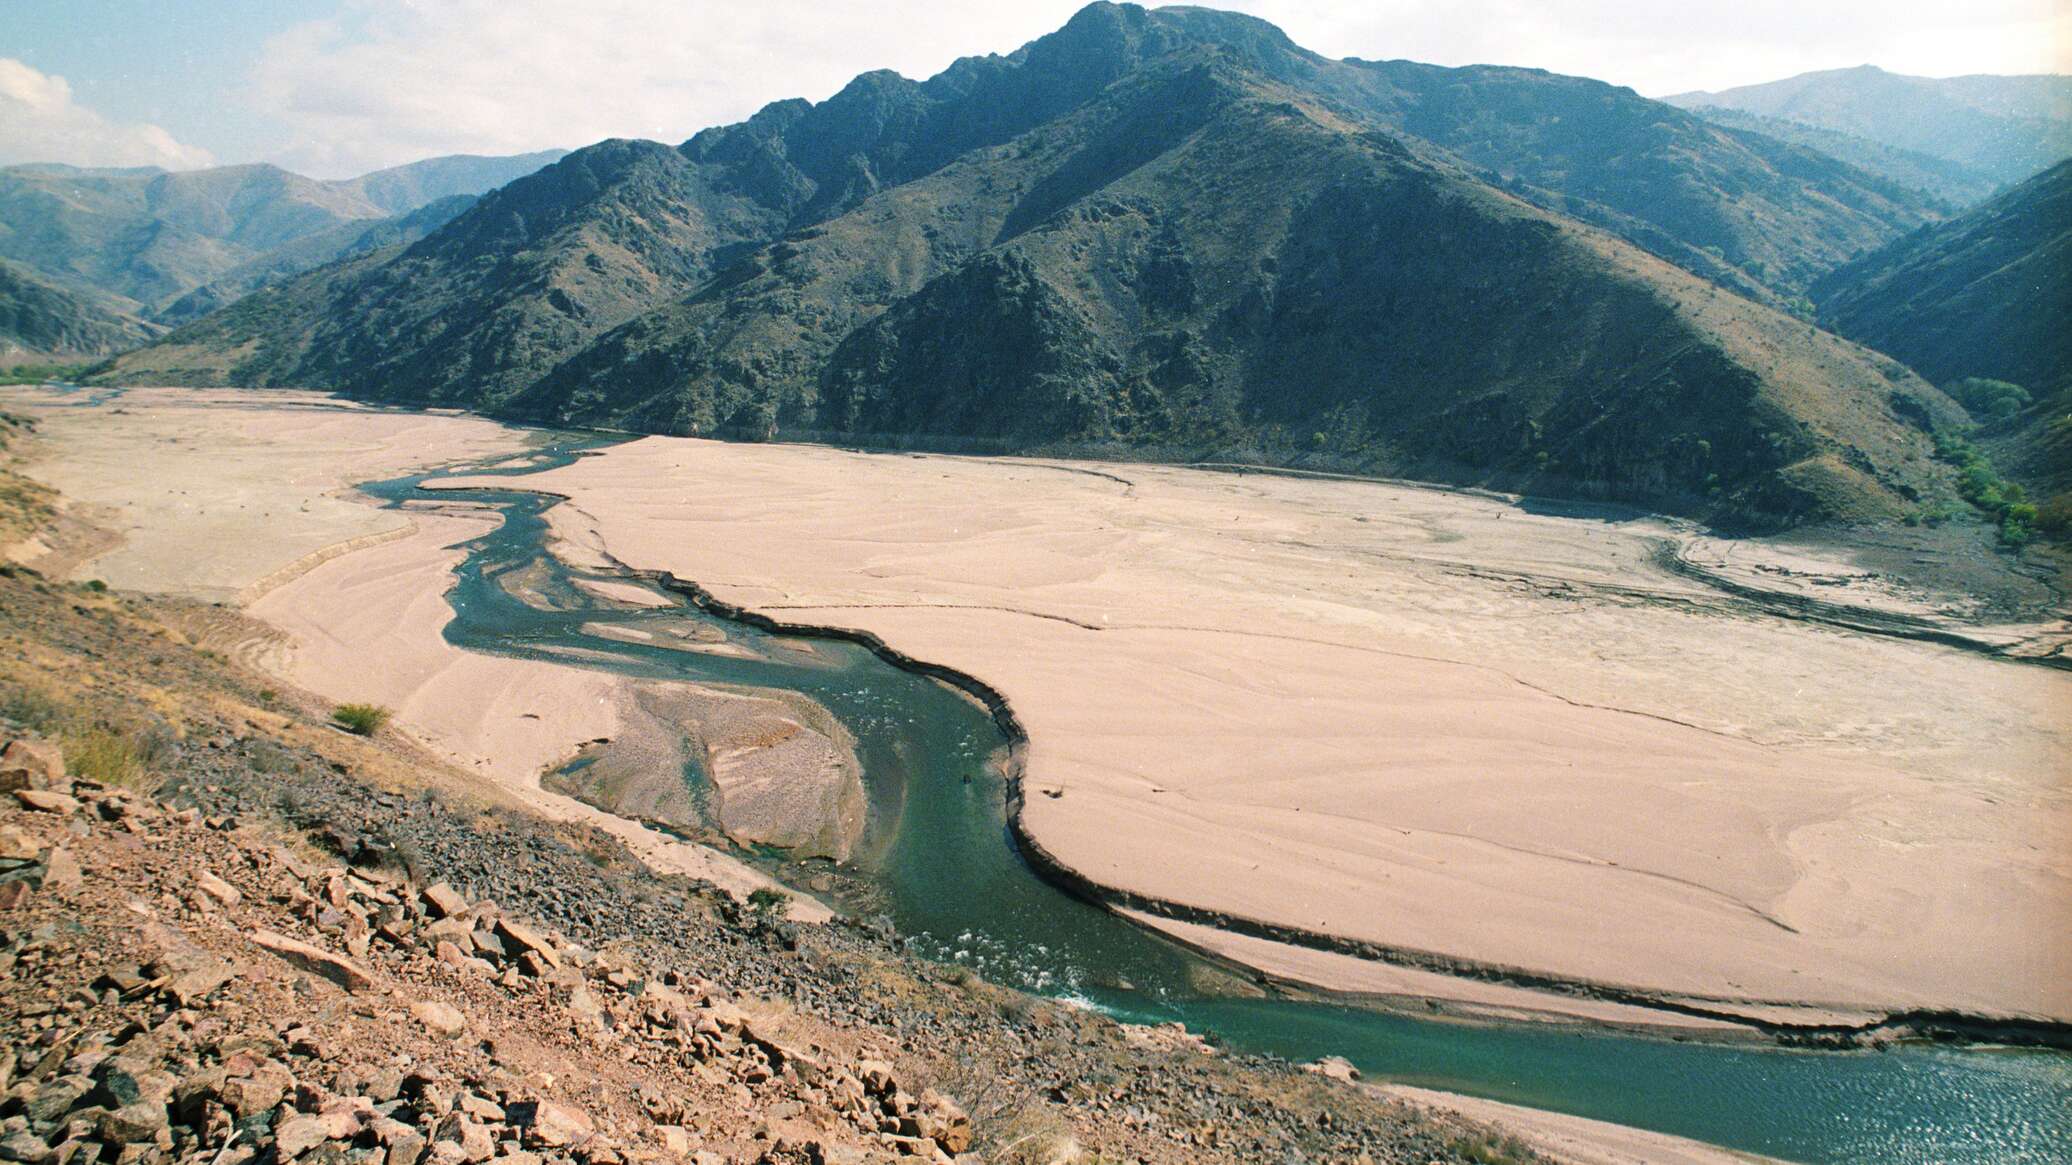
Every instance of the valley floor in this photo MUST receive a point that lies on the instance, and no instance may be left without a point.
(1430, 725)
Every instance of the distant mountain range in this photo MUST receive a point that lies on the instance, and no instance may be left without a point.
(1960, 138)
(39, 320)
(1174, 233)
(151, 247)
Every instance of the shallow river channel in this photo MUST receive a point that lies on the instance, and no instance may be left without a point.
(945, 868)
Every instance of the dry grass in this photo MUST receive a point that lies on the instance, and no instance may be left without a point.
(105, 757)
(97, 747)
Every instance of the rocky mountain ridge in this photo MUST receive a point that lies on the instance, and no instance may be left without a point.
(141, 239)
(1176, 233)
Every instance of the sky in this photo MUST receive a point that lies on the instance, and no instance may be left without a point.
(333, 88)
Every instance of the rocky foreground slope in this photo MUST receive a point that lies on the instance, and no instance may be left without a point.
(230, 933)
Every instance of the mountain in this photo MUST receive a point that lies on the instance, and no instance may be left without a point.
(401, 189)
(1987, 294)
(1951, 182)
(1175, 233)
(1983, 296)
(40, 321)
(148, 237)
(2004, 129)
(1745, 210)
(346, 239)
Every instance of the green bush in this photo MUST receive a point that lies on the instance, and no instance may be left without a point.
(1493, 1149)
(768, 905)
(2006, 502)
(39, 373)
(361, 719)
(1992, 400)
(2055, 516)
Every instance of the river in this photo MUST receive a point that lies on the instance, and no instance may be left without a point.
(942, 863)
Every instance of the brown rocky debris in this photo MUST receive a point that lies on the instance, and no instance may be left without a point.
(316, 960)
(443, 1018)
(31, 764)
(47, 801)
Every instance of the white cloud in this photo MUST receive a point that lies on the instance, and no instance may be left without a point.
(1660, 48)
(39, 122)
(389, 81)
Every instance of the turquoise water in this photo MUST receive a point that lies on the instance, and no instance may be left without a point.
(945, 868)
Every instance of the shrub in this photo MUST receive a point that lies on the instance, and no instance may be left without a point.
(361, 719)
(40, 373)
(768, 903)
(2005, 502)
(1992, 400)
(2055, 516)
(1493, 1149)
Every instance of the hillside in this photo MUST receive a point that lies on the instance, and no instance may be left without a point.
(1987, 296)
(401, 189)
(38, 320)
(1174, 233)
(348, 239)
(1952, 182)
(1748, 211)
(2005, 128)
(143, 238)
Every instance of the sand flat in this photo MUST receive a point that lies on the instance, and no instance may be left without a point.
(1416, 718)
(260, 480)
(1424, 719)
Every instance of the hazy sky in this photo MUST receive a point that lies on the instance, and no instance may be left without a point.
(337, 87)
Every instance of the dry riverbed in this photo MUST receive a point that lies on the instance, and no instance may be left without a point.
(1429, 722)
(1433, 723)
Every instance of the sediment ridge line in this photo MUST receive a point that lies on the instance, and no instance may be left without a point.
(253, 591)
(1891, 624)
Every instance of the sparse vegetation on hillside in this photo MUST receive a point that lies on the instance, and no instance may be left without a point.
(42, 319)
